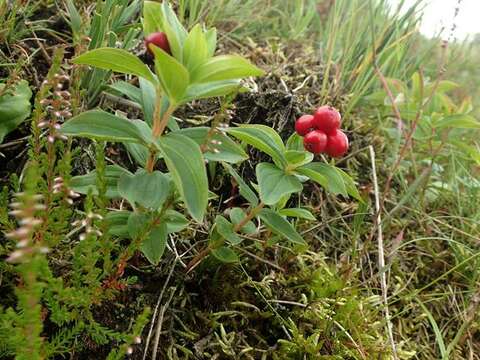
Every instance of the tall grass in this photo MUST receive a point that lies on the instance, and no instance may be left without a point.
(347, 50)
(258, 19)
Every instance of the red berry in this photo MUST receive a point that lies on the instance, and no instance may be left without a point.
(158, 39)
(337, 144)
(327, 119)
(304, 125)
(315, 141)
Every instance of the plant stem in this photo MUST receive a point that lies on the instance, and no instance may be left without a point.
(159, 124)
(202, 254)
(249, 217)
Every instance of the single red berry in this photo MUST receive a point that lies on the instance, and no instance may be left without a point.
(337, 144)
(315, 141)
(304, 125)
(327, 119)
(158, 39)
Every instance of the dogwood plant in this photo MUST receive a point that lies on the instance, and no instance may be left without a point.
(159, 201)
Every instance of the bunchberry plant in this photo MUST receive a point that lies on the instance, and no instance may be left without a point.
(186, 68)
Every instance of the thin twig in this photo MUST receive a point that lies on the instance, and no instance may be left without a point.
(381, 255)
(160, 323)
(157, 305)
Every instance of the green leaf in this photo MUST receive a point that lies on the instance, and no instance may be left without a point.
(211, 37)
(225, 255)
(148, 100)
(264, 139)
(117, 60)
(83, 184)
(140, 152)
(187, 166)
(15, 107)
(228, 150)
(441, 87)
(175, 221)
(152, 17)
(173, 76)
(274, 183)
(325, 175)
(244, 189)
(100, 125)
(117, 222)
(280, 226)
(195, 49)
(176, 33)
(211, 89)
(225, 229)
(150, 190)
(138, 225)
(297, 213)
(350, 185)
(130, 91)
(154, 244)
(298, 158)
(295, 142)
(461, 121)
(237, 215)
(75, 19)
(225, 67)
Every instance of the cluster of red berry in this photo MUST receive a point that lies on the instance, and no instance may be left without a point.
(321, 132)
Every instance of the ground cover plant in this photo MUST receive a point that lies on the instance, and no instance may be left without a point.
(236, 180)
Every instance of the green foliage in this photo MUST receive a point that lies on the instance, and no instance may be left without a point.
(117, 60)
(176, 188)
(14, 106)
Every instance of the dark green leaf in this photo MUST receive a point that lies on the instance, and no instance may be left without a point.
(130, 91)
(100, 125)
(187, 166)
(138, 225)
(297, 213)
(244, 189)
(175, 221)
(118, 223)
(83, 184)
(280, 226)
(325, 175)
(274, 183)
(263, 138)
(14, 107)
(117, 60)
(225, 228)
(139, 152)
(237, 215)
(225, 255)
(154, 244)
(228, 150)
(350, 185)
(150, 190)
(148, 100)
